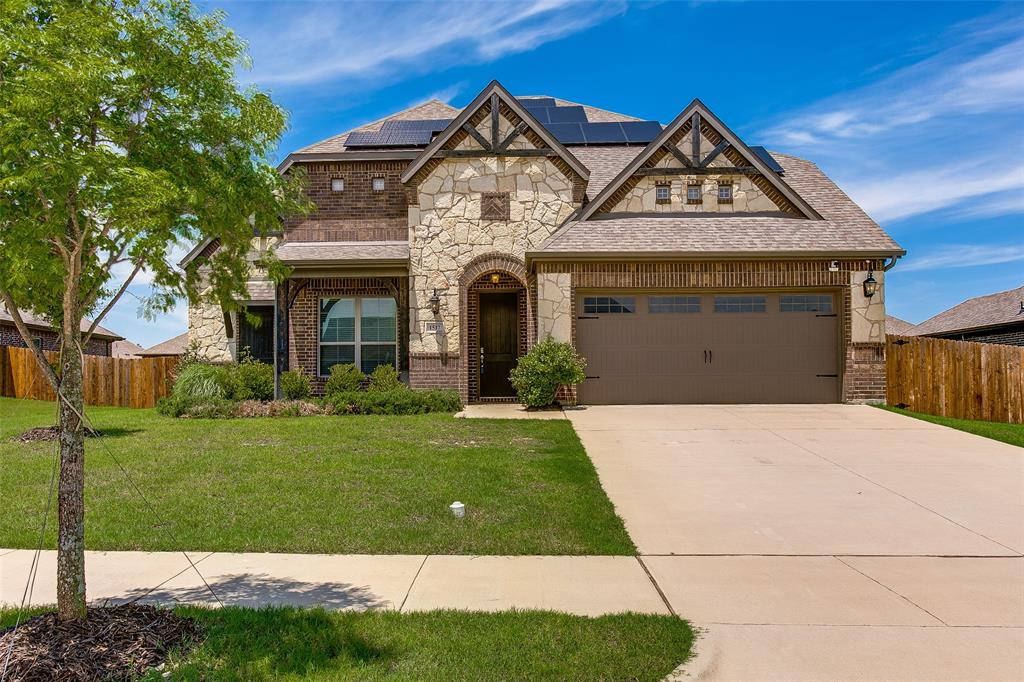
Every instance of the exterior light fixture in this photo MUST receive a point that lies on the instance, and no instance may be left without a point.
(435, 303)
(495, 278)
(870, 285)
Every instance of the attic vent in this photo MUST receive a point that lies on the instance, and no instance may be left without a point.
(494, 206)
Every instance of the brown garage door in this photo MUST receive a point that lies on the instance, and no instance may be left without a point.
(708, 348)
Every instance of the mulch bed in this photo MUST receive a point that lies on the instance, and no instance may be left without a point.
(114, 643)
(45, 433)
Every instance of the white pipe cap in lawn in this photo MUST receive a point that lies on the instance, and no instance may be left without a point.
(458, 509)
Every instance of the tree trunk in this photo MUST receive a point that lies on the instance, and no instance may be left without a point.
(70, 502)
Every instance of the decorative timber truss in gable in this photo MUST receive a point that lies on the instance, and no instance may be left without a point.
(527, 137)
(681, 140)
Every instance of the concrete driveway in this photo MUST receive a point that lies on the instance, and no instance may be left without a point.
(823, 542)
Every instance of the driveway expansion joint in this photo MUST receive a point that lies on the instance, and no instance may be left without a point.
(901, 596)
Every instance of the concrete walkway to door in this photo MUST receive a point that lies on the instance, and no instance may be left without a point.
(823, 542)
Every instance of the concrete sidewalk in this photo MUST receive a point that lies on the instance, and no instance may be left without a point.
(588, 586)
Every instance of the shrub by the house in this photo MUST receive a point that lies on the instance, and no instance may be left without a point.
(547, 366)
(295, 385)
(343, 379)
(384, 378)
(202, 380)
(401, 400)
(254, 380)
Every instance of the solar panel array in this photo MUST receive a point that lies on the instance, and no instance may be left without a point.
(763, 154)
(568, 124)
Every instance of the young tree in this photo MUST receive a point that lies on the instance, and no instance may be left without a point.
(123, 132)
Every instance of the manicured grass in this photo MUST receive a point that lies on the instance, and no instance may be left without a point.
(337, 484)
(289, 643)
(1008, 433)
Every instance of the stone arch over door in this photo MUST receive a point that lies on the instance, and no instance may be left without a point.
(474, 280)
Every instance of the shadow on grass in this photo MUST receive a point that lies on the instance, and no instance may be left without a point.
(270, 642)
(260, 589)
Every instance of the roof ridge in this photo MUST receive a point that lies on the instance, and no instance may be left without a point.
(432, 100)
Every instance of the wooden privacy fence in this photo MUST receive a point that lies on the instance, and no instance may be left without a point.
(123, 382)
(955, 378)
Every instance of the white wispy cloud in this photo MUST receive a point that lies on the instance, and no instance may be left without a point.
(943, 133)
(964, 256)
(300, 43)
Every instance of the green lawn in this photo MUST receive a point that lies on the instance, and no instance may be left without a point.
(337, 484)
(288, 643)
(1008, 433)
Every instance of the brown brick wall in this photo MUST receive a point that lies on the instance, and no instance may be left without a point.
(358, 212)
(864, 364)
(304, 317)
(435, 370)
(49, 340)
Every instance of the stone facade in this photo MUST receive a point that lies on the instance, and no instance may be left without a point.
(746, 196)
(554, 306)
(446, 232)
(208, 333)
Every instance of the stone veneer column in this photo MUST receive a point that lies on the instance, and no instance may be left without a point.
(554, 306)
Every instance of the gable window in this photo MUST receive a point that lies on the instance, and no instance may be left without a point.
(337, 185)
(360, 331)
(806, 303)
(663, 193)
(739, 304)
(725, 192)
(693, 194)
(378, 184)
(494, 206)
(594, 305)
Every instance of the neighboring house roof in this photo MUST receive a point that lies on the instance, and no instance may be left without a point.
(993, 310)
(894, 325)
(845, 228)
(328, 253)
(35, 322)
(124, 349)
(172, 346)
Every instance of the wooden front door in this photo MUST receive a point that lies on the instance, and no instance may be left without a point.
(498, 343)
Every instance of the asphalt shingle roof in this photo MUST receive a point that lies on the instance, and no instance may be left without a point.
(1004, 307)
(36, 322)
(172, 346)
(299, 253)
(845, 228)
(894, 325)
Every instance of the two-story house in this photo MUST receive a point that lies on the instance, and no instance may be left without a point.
(683, 264)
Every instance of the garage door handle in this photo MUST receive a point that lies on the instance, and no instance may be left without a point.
(586, 377)
(582, 317)
(827, 376)
(705, 357)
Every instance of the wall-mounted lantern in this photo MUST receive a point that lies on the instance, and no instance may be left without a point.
(435, 303)
(870, 285)
(495, 278)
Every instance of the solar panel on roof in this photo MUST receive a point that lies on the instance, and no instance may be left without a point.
(641, 132)
(389, 138)
(434, 124)
(573, 114)
(603, 133)
(542, 114)
(567, 133)
(538, 102)
(763, 154)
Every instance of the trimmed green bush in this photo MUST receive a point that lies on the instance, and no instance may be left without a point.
(384, 378)
(195, 406)
(295, 385)
(202, 380)
(254, 380)
(343, 379)
(396, 401)
(547, 366)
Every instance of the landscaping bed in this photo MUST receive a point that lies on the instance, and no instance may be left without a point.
(326, 484)
(274, 643)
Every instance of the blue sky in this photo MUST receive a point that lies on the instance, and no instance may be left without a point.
(914, 109)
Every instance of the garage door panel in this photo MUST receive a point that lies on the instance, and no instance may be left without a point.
(758, 351)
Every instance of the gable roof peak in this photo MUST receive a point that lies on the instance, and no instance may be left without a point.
(494, 90)
(695, 110)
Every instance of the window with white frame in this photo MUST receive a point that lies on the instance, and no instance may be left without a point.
(663, 193)
(725, 192)
(360, 331)
(337, 184)
(693, 194)
(378, 184)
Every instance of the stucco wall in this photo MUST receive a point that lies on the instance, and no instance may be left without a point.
(446, 232)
